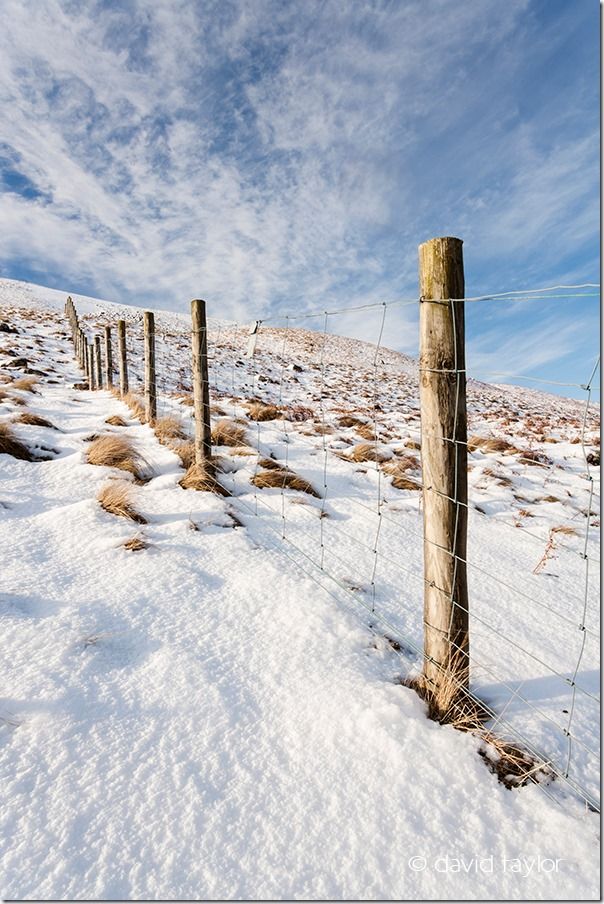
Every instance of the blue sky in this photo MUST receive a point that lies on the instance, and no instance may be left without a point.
(274, 156)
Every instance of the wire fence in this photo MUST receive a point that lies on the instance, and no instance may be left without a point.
(331, 476)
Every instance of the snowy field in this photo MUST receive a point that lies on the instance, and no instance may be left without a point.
(214, 716)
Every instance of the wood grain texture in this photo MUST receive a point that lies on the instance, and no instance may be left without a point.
(108, 358)
(122, 357)
(201, 386)
(98, 362)
(444, 459)
(150, 384)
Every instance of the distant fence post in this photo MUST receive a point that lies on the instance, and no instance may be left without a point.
(108, 358)
(444, 462)
(91, 379)
(150, 385)
(98, 362)
(201, 387)
(121, 344)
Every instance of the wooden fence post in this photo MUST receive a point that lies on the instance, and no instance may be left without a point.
(91, 379)
(108, 358)
(121, 344)
(150, 386)
(444, 456)
(98, 362)
(201, 386)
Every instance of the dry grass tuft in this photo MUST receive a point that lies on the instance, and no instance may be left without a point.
(282, 477)
(489, 444)
(136, 406)
(26, 384)
(451, 704)
(35, 420)
(202, 477)
(113, 451)
(115, 497)
(185, 451)
(168, 428)
(534, 457)
(186, 400)
(348, 420)
(564, 529)
(368, 452)
(227, 433)
(259, 411)
(398, 471)
(135, 544)
(512, 765)
(116, 421)
(270, 464)
(10, 445)
(367, 431)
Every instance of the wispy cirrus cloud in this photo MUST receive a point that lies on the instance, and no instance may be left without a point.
(271, 155)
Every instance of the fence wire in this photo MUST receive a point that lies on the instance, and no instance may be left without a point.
(361, 536)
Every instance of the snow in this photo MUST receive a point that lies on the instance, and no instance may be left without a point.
(213, 717)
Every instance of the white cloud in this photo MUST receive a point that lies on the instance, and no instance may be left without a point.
(265, 154)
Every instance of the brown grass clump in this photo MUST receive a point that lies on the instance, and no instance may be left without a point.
(398, 471)
(534, 457)
(322, 429)
(270, 464)
(451, 704)
(368, 452)
(348, 420)
(367, 431)
(186, 400)
(10, 445)
(115, 497)
(116, 421)
(168, 429)
(26, 384)
(489, 444)
(202, 477)
(135, 544)
(185, 451)
(136, 406)
(227, 433)
(259, 411)
(282, 477)
(113, 451)
(35, 420)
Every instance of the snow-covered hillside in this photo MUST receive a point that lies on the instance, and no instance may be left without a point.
(220, 713)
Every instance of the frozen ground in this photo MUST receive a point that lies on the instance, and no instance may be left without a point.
(202, 719)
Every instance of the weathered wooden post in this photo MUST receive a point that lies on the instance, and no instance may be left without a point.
(201, 386)
(150, 386)
(91, 378)
(98, 362)
(108, 358)
(444, 462)
(121, 344)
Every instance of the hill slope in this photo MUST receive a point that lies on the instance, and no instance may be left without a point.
(213, 715)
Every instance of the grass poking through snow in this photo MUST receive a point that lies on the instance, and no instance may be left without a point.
(113, 451)
(115, 497)
(282, 477)
(10, 445)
